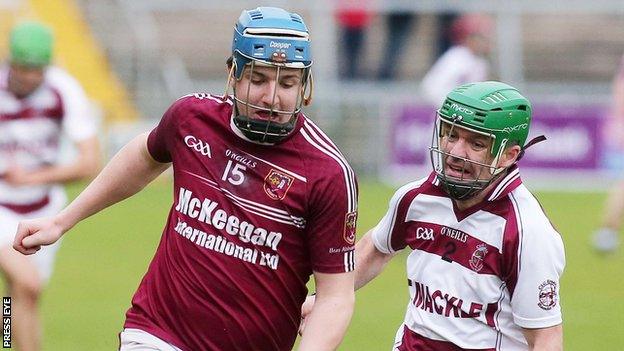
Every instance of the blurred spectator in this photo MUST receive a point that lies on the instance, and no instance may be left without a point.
(353, 19)
(444, 25)
(464, 62)
(399, 24)
(606, 238)
(38, 103)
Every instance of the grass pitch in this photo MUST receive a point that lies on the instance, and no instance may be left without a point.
(102, 260)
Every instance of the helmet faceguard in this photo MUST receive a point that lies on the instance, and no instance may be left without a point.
(494, 110)
(274, 38)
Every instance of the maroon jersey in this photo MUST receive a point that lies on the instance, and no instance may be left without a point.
(248, 226)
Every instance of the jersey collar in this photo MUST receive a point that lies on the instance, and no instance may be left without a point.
(506, 185)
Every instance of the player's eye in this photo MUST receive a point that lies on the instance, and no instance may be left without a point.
(451, 136)
(479, 145)
(288, 83)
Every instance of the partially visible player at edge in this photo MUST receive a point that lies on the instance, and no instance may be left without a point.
(262, 200)
(39, 104)
(606, 238)
(484, 264)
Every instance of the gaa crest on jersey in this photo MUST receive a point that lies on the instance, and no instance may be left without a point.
(477, 258)
(547, 295)
(276, 184)
(349, 228)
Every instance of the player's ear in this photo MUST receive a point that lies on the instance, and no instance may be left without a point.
(509, 156)
(229, 62)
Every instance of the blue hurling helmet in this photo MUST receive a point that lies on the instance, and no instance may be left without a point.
(270, 36)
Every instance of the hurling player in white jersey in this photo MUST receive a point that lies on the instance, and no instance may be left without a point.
(485, 262)
(38, 104)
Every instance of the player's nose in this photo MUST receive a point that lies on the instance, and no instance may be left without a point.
(458, 148)
(270, 96)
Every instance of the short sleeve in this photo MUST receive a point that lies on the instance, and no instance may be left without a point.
(160, 139)
(331, 225)
(383, 231)
(80, 120)
(536, 301)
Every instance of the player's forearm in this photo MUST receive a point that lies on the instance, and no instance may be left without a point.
(545, 339)
(83, 168)
(369, 262)
(129, 171)
(327, 323)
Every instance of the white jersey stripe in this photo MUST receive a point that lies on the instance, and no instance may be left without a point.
(252, 203)
(309, 123)
(349, 261)
(499, 334)
(352, 259)
(351, 203)
(316, 131)
(515, 174)
(219, 99)
(344, 162)
(516, 207)
(297, 176)
(291, 220)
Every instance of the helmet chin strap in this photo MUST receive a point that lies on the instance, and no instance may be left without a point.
(494, 169)
(537, 139)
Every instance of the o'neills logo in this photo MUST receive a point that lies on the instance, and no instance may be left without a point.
(349, 228)
(276, 184)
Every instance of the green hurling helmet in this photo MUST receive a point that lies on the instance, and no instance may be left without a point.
(493, 109)
(31, 44)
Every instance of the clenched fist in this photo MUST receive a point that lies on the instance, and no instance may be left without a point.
(32, 234)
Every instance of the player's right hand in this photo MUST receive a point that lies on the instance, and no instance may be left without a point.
(306, 309)
(32, 234)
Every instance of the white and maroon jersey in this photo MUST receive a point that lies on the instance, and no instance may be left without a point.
(31, 127)
(475, 277)
(248, 225)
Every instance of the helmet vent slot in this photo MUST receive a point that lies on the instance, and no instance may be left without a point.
(479, 117)
(295, 18)
(494, 98)
(522, 107)
(255, 15)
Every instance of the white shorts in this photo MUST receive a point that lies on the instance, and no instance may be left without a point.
(44, 258)
(139, 340)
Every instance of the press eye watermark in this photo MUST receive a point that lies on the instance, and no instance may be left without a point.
(6, 322)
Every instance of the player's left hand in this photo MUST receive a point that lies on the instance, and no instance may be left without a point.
(306, 309)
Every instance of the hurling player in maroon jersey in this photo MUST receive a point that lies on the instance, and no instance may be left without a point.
(263, 200)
